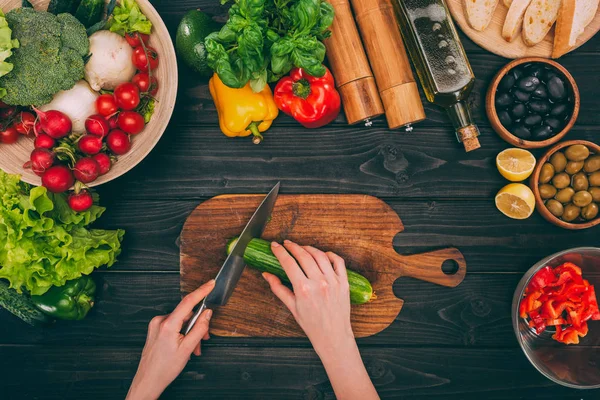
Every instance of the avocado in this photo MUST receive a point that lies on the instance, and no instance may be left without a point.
(192, 30)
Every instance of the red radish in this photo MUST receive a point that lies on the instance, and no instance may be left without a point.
(103, 161)
(44, 141)
(86, 170)
(80, 202)
(145, 83)
(145, 59)
(58, 179)
(9, 136)
(97, 125)
(112, 122)
(133, 38)
(25, 123)
(90, 144)
(37, 128)
(54, 123)
(106, 105)
(127, 96)
(118, 142)
(131, 122)
(41, 160)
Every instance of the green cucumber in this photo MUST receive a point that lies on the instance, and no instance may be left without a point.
(21, 306)
(258, 255)
(63, 6)
(90, 12)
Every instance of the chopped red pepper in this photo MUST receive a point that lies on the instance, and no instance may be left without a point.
(562, 299)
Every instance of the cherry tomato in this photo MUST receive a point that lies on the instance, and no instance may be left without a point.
(127, 96)
(131, 122)
(142, 62)
(145, 83)
(9, 136)
(25, 123)
(133, 38)
(106, 105)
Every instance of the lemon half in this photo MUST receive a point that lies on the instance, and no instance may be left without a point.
(514, 164)
(516, 201)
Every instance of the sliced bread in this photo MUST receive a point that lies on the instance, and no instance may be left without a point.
(573, 17)
(507, 3)
(539, 18)
(479, 13)
(514, 19)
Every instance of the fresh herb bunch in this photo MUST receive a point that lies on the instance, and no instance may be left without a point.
(264, 39)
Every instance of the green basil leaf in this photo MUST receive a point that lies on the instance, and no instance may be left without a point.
(258, 81)
(326, 14)
(305, 14)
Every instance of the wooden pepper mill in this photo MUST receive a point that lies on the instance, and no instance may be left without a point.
(353, 76)
(387, 54)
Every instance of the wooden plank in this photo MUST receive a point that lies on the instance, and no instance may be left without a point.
(474, 314)
(276, 373)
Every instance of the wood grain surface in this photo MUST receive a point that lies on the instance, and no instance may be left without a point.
(359, 228)
(491, 38)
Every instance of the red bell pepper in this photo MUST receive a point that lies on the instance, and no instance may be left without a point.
(310, 100)
(542, 278)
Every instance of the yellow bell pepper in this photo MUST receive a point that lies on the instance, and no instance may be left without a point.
(241, 111)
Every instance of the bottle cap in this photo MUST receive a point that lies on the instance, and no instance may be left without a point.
(468, 137)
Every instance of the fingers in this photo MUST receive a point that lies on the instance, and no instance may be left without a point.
(197, 351)
(339, 266)
(189, 302)
(283, 293)
(306, 261)
(322, 261)
(200, 329)
(290, 266)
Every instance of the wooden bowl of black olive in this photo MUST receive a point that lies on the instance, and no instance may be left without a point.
(566, 184)
(532, 102)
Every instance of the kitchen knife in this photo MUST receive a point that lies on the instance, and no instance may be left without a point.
(234, 265)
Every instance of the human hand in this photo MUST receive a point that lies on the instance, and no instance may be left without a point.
(167, 351)
(320, 302)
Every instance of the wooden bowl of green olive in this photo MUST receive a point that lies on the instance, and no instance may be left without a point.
(566, 184)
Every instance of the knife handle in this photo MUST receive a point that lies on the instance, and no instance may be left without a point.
(192, 321)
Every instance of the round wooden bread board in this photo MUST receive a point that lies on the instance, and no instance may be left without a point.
(491, 39)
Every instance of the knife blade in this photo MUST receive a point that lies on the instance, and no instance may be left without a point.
(234, 264)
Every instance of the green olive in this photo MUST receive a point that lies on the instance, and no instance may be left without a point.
(595, 179)
(592, 164)
(558, 161)
(561, 181)
(590, 211)
(547, 191)
(577, 152)
(595, 192)
(574, 167)
(571, 213)
(582, 198)
(580, 182)
(555, 208)
(565, 195)
(546, 173)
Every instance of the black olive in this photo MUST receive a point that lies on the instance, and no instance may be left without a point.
(558, 110)
(554, 123)
(556, 88)
(529, 83)
(518, 110)
(532, 120)
(505, 118)
(537, 71)
(542, 132)
(521, 132)
(539, 106)
(503, 100)
(517, 73)
(506, 83)
(521, 96)
(540, 92)
(550, 73)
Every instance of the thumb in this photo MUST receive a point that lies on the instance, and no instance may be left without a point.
(282, 292)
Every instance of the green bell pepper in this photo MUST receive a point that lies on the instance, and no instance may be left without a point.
(72, 301)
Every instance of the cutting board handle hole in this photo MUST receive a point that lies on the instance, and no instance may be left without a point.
(449, 267)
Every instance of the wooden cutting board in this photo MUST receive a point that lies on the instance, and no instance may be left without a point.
(491, 39)
(359, 228)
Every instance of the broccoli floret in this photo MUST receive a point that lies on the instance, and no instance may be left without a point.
(50, 59)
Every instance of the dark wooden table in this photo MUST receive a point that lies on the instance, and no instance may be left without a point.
(445, 344)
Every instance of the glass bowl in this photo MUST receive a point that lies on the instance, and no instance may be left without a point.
(574, 366)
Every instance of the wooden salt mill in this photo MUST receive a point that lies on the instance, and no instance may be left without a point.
(391, 66)
(353, 77)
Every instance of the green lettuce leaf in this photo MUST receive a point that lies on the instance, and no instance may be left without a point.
(6, 46)
(43, 243)
(127, 17)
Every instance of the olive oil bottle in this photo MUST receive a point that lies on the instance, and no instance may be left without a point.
(440, 60)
